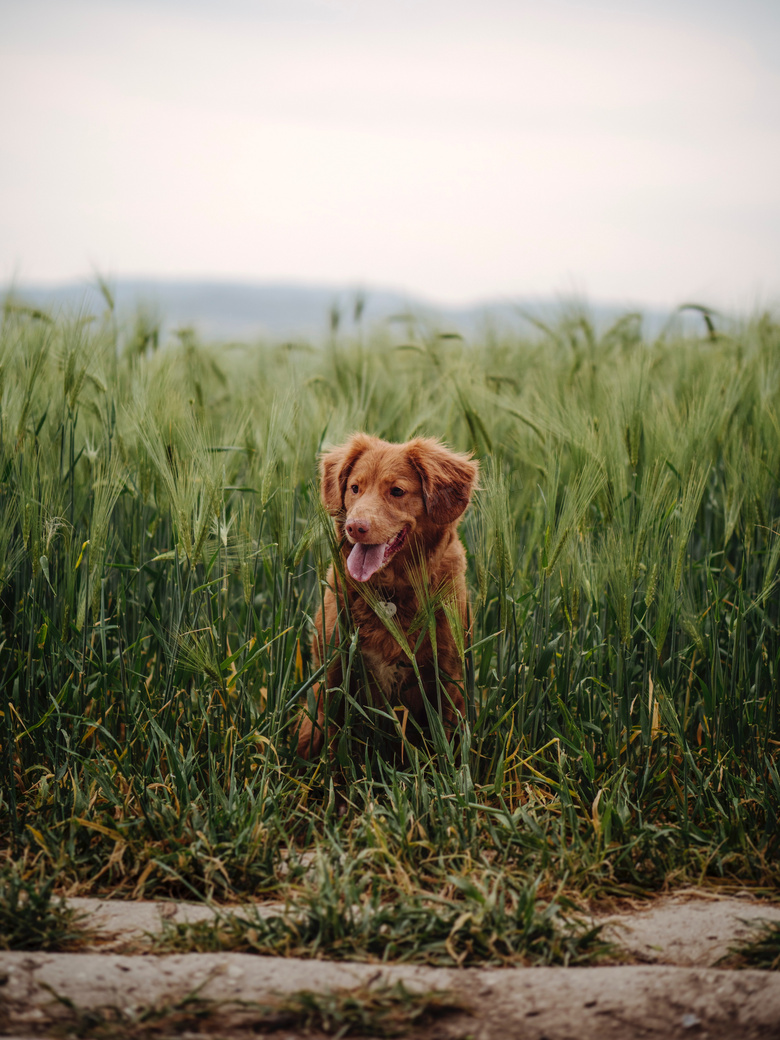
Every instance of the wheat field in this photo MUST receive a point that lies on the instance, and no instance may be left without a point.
(162, 554)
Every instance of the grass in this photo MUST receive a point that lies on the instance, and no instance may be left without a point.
(30, 916)
(381, 1011)
(376, 1010)
(761, 952)
(162, 554)
(346, 915)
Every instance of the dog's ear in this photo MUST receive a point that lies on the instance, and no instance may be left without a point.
(447, 478)
(335, 466)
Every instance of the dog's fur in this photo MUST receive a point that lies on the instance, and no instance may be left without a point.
(383, 536)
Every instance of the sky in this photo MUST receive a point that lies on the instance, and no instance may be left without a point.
(460, 150)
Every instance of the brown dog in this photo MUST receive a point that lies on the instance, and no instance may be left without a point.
(396, 508)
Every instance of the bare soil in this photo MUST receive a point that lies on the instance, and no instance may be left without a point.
(668, 985)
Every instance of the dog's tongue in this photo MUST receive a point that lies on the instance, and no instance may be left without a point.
(365, 560)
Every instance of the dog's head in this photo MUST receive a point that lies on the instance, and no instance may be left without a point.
(384, 494)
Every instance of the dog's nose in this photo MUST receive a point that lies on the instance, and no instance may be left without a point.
(358, 529)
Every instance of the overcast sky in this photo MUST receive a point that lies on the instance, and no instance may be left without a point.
(625, 151)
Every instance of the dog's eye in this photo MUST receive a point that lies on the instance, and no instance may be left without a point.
(354, 489)
(397, 492)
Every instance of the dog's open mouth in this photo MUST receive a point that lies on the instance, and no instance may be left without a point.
(365, 560)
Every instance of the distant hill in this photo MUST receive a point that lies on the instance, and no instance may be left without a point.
(249, 311)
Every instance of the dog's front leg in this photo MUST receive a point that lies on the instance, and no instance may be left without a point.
(326, 715)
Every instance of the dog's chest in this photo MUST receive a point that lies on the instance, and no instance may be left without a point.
(384, 659)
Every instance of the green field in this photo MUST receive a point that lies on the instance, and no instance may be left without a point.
(162, 554)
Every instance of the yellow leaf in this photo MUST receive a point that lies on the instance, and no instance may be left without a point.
(655, 721)
(81, 555)
(594, 811)
(38, 836)
(91, 825)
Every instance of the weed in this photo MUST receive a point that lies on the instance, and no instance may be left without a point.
(346, 912)
(371, 1010)
(377, 1010)
(761, 952)
(31, 919)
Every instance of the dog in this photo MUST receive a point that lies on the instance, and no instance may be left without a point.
(396, 509)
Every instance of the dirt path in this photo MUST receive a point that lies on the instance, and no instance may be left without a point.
(675, 991)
